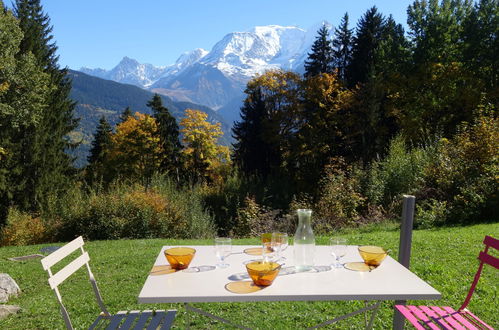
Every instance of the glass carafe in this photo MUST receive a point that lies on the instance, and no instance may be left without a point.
(304, 241)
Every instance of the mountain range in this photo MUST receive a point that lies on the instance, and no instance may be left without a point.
(217, 78)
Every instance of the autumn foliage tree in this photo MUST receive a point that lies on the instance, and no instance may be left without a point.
(135, 148)
(321, 133)
(205, 160)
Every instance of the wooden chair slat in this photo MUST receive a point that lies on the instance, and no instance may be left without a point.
(130, 319)
(410, 317)
(449, 318)
(491, 241)
(422, 316)
(61, 253)
(116, 320)
(97, 323)
(143, 320)
(69, 269)
(170, 316)
(478, 321)
(435, 317)
(156, 320)
(489, 259)
(457, 316)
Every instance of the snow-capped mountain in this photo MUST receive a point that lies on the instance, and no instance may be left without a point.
(241, 55)
(217, 78)
(129, 71)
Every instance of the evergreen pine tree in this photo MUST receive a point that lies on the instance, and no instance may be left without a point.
(47, 169)
(320, 60)
(250, 149)
(125, 114)
(102, 140)
(24, 89)
(97, 170)
(169, 136)
(342, 47)
(369, 34)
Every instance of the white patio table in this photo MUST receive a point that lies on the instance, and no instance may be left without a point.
(202, 283)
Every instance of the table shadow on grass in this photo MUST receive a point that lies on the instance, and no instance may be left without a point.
(167, 269)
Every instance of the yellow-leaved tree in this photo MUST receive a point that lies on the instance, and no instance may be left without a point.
(205, 159)
(135, 147)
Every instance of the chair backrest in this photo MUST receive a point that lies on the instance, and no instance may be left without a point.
(485, 258)
(59, 277)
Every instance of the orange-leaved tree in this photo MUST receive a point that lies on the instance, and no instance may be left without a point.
(135, 147)
(205, 159)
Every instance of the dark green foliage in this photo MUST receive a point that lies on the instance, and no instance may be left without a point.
(320, 60)
(40, 168)
(251, 152)
(96, 168)
(125, 114)
(169, 137)
(342, 47)
(102, 139)
(481, 44)
(45, 167)
(368, 36)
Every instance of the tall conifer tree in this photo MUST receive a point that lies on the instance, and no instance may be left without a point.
(342, 47)
(320, 60)
(97, 158)
(251, 149)
(102, 140)
(169, 136)
(24, 88)
(47, 167)
(125, 114)
(368, 36)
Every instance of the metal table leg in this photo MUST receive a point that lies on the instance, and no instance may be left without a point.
(373, 307)
(218, 318)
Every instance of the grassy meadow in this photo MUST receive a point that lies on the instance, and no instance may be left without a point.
(446, 258)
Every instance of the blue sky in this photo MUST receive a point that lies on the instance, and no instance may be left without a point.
(98, 33)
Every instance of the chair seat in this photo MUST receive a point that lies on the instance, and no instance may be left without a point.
(434, 317)
(148, 319)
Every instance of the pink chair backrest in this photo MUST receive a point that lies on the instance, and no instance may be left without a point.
(485, 258)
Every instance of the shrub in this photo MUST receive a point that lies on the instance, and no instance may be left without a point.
(430, 213)
(466, 172)
(23, 229)
(254, 219)
(133, 211)
(340, 200)
(402, 171)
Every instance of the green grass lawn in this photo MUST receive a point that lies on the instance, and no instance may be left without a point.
(445, 258)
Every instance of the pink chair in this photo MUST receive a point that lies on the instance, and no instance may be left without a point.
(434, 317)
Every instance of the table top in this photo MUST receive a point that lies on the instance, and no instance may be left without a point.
(389, 281)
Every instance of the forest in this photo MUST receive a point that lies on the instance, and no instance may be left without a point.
(379, 112)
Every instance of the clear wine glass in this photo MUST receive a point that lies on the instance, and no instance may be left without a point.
(279, 243)
(338, 249)
(223, 247)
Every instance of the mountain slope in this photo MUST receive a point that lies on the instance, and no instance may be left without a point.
(97, 97)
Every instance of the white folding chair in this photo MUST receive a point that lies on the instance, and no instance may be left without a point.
(122, 320)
